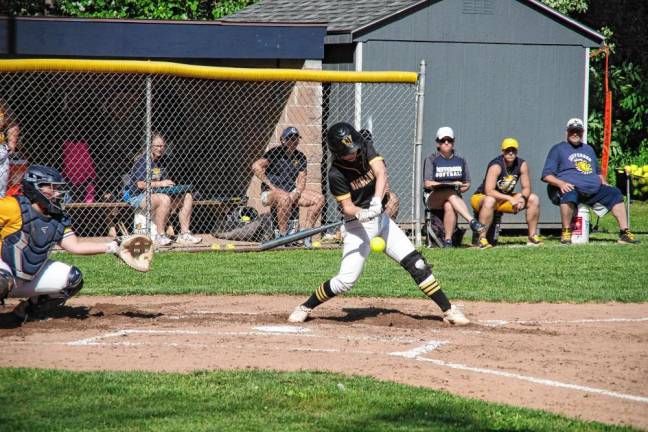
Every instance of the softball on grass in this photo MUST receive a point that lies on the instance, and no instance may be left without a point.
(317, 244)
(377, 244)
(215, 246)
(230, 246)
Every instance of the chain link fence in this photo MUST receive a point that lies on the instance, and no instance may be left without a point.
(197, 140)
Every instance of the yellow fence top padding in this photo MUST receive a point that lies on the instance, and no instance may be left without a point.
(204, 72)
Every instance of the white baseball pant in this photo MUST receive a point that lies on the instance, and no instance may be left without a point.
(51, 279)
(356, 237)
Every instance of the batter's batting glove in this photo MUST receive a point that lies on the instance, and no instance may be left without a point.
(366, 215)
(376, 205)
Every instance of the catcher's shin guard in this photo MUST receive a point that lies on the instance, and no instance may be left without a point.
(74, 284)
(7, 283)
(43, 304)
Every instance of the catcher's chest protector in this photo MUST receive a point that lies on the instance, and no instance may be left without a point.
(26, 251)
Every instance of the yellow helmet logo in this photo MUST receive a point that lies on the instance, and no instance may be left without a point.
(347, 140)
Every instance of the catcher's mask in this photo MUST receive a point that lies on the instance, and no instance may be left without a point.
(343, 139)
(38, 176)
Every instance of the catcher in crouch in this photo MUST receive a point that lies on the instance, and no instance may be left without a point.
(357, 178)
(30, 226)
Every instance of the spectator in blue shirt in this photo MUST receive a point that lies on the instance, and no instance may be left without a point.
(572, 169)
(161, 203)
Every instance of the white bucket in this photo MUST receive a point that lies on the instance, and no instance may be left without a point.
(139, 223)
(580, 225)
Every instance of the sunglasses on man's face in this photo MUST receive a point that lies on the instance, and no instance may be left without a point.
(446, 140)
(511, 150)
(578, 132)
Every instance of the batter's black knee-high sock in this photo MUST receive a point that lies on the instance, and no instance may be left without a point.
(433, 290)
(321, 294)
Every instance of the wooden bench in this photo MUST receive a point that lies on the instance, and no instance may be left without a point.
(103, 218)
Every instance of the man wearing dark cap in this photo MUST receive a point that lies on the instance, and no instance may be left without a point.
(282, 171)
(572, 169)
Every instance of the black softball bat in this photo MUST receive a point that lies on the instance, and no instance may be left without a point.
(299, 235)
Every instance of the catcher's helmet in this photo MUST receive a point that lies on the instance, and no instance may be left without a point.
(35, 177)
(343, 139)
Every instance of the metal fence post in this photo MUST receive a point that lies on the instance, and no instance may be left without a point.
(418, 142)
(147, 147)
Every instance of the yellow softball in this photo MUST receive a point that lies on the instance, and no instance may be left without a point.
(377, 244)
(230, 246)
(316, 244)
(215, 246)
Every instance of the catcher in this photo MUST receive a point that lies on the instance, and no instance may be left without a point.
(30, 226)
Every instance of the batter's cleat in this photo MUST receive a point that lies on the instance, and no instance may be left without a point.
(478, 227)
(565, 237)
(300, 314)
(446, 244)
(188, 239)
(454, 316)
(534, 240)
(626, 237)
(483, 244)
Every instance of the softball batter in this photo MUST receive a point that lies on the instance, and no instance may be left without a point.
(357, 179)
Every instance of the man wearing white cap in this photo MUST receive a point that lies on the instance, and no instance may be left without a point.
(572, 169)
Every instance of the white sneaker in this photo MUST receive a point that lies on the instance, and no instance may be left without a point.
(300, 314)
(163, 240)
(188, 238)
(454, 316)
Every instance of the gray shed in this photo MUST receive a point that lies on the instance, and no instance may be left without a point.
(495, 68)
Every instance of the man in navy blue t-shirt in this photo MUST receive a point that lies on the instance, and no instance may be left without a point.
(282, 171)
(572, 168)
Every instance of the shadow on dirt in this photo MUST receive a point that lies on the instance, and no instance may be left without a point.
(8, 320)
(383, 316)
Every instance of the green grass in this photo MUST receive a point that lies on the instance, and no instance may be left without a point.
(249, 401)
(598, 272)
(638, 219)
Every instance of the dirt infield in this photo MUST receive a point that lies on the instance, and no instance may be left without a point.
(586, 361)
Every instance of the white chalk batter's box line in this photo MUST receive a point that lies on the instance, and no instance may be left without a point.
(285, 331)
(500, 323)
(414, 354)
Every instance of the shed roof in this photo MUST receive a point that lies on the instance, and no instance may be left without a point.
(356, 16)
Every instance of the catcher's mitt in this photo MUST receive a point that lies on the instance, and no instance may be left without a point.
(136, 251)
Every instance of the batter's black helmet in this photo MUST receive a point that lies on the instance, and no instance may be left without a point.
(343, 139)
(35, 177)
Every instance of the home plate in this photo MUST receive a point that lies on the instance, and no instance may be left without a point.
(282, 329)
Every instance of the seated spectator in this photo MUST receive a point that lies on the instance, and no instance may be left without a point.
(445, 178)
(282, 171)
(162, 203)
(572, 168)
(9, 132)
(496, 193)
